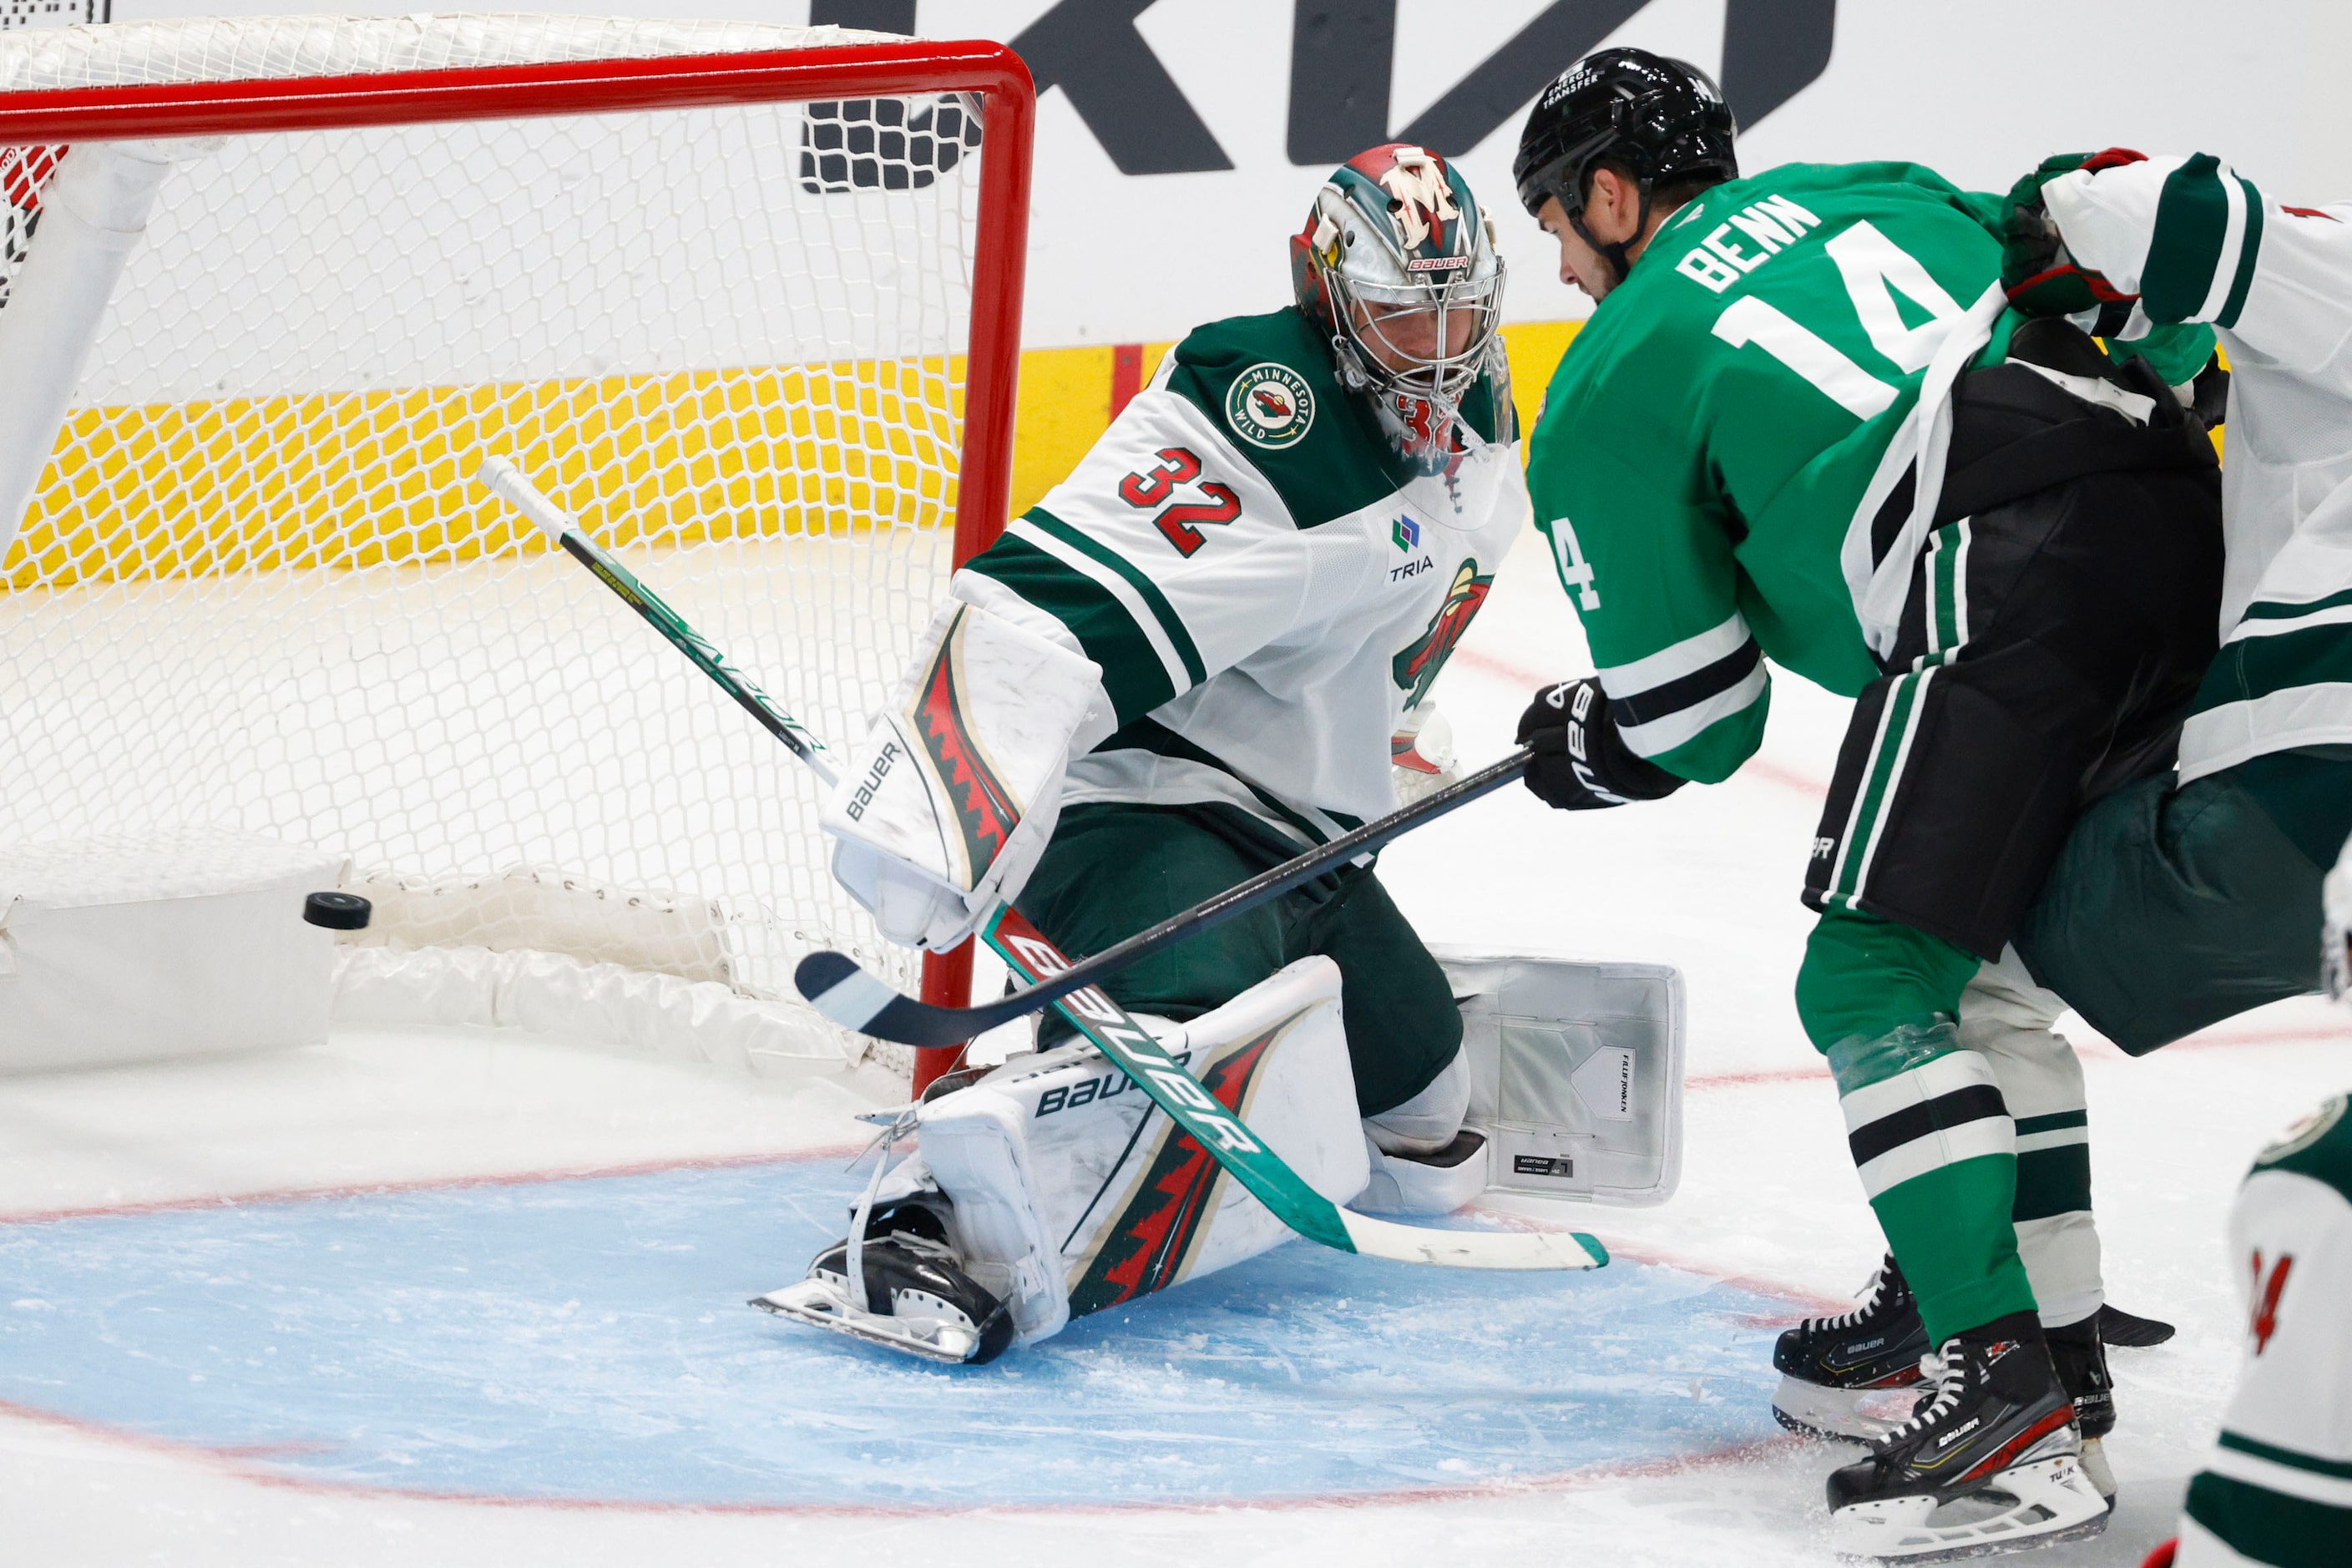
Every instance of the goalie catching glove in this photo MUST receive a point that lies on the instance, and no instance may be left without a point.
(1581, 762)
(948, 803)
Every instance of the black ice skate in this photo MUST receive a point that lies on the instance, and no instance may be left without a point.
(1990, 1462)
(2080, 1357)
(1845, 1376)
(917, 1297)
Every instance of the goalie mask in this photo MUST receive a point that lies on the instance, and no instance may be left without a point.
(1397, 265)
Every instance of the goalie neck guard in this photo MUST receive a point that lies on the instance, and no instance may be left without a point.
(1394, 255)
(1659, 120)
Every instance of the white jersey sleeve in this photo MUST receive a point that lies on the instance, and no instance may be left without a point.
(2197, 242)
(2277, 1488)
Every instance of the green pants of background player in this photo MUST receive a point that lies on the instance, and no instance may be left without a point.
(2172, 909)
(1113, 869)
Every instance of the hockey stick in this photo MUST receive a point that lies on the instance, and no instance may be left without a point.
(836, 987)
(1101, 1020)
(1229, 1142)
(502, 479)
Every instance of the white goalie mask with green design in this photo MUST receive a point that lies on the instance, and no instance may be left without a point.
(1397, 263)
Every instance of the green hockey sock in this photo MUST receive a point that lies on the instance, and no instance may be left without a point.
(1936, 1151)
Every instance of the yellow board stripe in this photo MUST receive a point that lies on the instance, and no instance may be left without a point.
(346, 480)
(353, 480)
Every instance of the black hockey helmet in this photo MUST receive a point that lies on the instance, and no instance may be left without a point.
(1662, 120)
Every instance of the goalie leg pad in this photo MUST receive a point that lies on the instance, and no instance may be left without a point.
(1576, 1073)
(1073, 1193)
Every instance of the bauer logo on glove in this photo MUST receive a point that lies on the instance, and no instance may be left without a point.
(958, 787)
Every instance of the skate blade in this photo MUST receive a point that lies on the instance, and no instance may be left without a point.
(1855, 1414)
(2046, 1501)
(2096, 1470)
(815, 1301)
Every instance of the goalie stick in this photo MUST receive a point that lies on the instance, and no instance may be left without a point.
(1113, 1031)
(502, 479)
(1222, 1134)
(836, 987)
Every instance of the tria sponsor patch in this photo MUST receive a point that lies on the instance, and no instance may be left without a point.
(1270, 406)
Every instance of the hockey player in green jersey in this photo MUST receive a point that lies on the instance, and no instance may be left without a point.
(1803, 426)
(1188, 662)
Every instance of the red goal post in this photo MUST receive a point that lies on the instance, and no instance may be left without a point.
(512, 91)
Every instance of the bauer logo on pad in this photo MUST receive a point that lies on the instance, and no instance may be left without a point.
(1270, 406)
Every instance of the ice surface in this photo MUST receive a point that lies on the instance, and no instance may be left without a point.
(1419, 1368)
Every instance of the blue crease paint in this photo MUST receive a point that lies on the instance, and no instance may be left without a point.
(586, 1339)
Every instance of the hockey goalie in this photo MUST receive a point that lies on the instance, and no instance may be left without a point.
(1194, 660)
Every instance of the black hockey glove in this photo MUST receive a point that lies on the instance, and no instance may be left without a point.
(2039, 276)
(1581, 764)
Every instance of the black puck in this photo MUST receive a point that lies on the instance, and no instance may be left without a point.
(337, 911)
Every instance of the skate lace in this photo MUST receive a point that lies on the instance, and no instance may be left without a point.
(1948, 1371)
(1872, 1294)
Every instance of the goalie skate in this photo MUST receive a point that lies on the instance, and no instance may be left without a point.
(918, 1300)
(1991, 1462)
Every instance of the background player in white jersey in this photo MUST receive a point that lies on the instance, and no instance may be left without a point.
(2177, 903)
(2278, 1487)
(1184, 665)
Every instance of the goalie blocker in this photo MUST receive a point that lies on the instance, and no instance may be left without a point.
(1050, 1187)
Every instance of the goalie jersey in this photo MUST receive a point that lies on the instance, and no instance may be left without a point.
(2277, 1488)
(1267, 584)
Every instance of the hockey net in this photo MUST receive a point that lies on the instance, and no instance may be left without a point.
(748, 318)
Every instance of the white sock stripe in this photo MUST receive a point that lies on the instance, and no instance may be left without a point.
(2057, 1138)
(1914, 1086)
(1945, 1146)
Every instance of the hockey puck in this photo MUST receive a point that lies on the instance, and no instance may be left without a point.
(337, 911)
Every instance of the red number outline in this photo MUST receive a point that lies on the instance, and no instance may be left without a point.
(1177, 466)
(1181, 467)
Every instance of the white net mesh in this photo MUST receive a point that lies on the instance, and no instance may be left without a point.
(257, 587)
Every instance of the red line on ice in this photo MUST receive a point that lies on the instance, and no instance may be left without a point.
(431, 1184)
(234, 1462)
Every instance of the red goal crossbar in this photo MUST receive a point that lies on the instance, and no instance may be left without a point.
(515, 91)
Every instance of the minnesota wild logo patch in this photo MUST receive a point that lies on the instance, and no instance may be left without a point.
(1270, 406)
(1416, 668)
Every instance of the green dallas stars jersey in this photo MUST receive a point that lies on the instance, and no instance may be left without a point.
(1265, 582)
(1719, 437)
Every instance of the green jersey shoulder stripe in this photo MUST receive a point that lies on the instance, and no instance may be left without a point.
(2201, 254)
(1163, 611)
(1138, 673)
